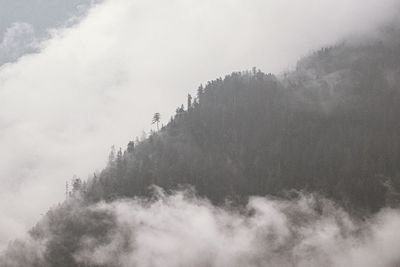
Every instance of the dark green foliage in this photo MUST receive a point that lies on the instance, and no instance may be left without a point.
(68, 226)
(331, 126)
(56, 239)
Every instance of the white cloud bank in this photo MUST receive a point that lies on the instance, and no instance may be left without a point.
(185, 231)
(99, 82)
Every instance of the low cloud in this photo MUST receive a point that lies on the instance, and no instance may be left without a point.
(184, 230)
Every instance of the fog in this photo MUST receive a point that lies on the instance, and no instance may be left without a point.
(96, 83)
(182, 230)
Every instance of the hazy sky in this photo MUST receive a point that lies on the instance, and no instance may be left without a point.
(98, 82)
(24, 24)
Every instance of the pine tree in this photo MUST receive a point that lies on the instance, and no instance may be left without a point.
(189, 101)
(156, 119)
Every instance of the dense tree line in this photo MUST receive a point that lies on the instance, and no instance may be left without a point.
(331, 126)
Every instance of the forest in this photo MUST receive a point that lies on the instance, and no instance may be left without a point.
(331, 127)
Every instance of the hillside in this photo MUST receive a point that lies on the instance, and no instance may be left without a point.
(331, 126)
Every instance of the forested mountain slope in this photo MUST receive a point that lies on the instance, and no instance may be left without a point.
(331, 126)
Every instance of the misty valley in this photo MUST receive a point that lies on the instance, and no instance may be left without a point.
(256, 169)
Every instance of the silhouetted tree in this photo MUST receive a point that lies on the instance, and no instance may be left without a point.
(156, 119)
(189, 101)
(131, 147)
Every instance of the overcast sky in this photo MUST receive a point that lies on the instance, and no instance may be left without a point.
(97, 82)
(24, 24)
